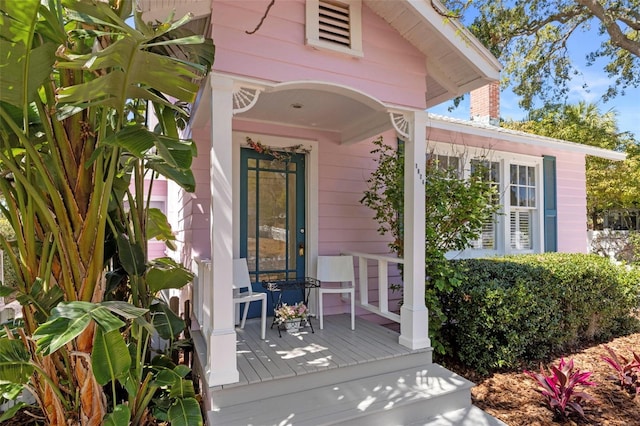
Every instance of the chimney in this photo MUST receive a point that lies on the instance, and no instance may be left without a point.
(485, 104)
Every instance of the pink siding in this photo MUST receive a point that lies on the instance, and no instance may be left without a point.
(156, 249)
(572, 202)
(571, 184)
(159, 188)
(391, 70)
(195, 214)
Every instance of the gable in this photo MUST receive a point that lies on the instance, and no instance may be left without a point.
(449, 60)
(390, 69)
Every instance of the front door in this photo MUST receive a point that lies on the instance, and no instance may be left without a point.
(272, 218)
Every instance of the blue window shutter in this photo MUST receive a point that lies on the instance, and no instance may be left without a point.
(550, 204)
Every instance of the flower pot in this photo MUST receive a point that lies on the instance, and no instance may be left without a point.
(292, 325)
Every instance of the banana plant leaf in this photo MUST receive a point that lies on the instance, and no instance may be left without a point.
(137, 72)
(178, 386)
(18, 56)
(124, 309)
(185, 412)
(167, 324)
(173, 159)
(110, 359)
(7, 415)
(121, 415)
(158, 227)
(165, 273)
(184, 178)
(131, 256)
(43, 300)
(68, 320)
(183, 388)
(15, 365)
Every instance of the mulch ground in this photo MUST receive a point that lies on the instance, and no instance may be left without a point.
(514, 399)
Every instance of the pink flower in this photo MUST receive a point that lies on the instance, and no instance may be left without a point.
(287, 312)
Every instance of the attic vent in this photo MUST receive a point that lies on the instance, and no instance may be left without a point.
(334, 22)
(335, 25)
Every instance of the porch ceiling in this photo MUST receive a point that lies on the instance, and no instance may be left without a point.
(354, 116)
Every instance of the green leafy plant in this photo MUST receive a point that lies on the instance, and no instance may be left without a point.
(521, 309)
(456, 209)
(627, 370)
(77, 85)
(560, 387)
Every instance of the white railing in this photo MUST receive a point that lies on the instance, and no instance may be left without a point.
(202, 288)
(383, 283)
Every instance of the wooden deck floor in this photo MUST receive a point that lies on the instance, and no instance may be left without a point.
(305, 352)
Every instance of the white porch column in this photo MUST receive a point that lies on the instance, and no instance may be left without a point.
(414, 318)
(221, 357)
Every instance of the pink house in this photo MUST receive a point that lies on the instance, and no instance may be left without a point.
(284, 126)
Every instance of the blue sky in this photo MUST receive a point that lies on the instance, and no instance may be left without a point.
(627, 106)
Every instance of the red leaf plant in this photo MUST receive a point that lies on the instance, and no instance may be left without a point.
(560, 387)
(627, 370)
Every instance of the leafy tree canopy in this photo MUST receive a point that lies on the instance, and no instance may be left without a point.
(530, 37)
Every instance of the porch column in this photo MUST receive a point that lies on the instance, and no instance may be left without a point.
(414, 318)
(221, 357)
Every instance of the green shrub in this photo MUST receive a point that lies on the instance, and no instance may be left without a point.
(522, 308)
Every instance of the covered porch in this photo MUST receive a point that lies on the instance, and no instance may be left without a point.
(232, 104)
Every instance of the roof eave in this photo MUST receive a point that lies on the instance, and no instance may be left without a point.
(515, 136)
(460, 37)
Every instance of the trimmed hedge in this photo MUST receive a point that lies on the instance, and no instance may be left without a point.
(518, 309)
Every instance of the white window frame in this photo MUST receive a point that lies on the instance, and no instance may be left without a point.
(535, 220)
(355, 21)
(503, 223)
(498, 237)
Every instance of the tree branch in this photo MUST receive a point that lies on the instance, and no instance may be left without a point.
(618, 37)
(266, 12)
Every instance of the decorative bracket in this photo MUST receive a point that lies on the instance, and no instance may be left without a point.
(244, 98)
(400, 124)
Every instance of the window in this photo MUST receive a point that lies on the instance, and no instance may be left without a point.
(522, 190)
(488, 239)
(335, 25)
(516, 227)
(447, 163)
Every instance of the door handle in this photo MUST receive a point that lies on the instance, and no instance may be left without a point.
(301, 249)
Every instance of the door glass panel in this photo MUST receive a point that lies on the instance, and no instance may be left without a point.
(272, 214)
(291, 221)
(252, 218)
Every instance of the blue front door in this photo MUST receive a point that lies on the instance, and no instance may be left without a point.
(272, 218)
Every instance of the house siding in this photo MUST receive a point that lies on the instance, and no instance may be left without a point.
(392, 70)
(571, 183)
(194, 217)
(572, 202)
(156, 248)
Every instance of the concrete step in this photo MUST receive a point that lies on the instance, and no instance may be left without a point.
(233, 395)
(470, 416)
(399, 397)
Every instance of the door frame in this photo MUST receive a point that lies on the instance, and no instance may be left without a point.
(311, 194)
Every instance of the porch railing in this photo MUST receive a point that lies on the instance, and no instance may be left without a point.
(202, 293)
(202, 287)
(383, 283)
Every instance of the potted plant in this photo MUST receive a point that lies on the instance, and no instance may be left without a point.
(291, 316)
